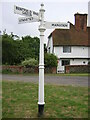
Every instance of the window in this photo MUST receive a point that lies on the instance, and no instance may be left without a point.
(65, 62)
(66, 49)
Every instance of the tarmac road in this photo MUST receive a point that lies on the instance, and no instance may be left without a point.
(50, 79)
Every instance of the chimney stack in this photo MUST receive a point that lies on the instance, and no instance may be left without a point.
(81, 21)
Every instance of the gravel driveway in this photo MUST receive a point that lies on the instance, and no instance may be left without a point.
(50, 79)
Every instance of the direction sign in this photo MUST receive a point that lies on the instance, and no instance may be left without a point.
(25, 12)
(27, 20)
(58, 25)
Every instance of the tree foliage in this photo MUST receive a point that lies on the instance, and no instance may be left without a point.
(31, 47)
(26, 50)
(16, 51)
(9, 50)
(50, 60)
(30, 62)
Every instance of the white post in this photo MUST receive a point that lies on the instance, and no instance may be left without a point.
(41, 63)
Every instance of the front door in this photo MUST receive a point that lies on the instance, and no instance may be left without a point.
(61, 65)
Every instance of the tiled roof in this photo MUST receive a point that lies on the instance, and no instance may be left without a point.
(71, 37)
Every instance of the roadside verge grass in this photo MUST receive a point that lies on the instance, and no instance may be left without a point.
(48, 74)
(19, 100)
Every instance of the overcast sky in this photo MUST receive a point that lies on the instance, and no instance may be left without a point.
(55, 11)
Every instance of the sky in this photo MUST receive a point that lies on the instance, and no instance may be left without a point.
(55, 11)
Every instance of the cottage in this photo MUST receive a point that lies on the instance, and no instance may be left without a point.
(71, 46)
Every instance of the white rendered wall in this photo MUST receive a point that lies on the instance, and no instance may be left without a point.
(78, 62)
(75, 62)
(61, 69)
(50, 45)
(76, 52)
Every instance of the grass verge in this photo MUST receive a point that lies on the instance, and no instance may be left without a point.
(70, 74)
(19, 100)
(48, 74)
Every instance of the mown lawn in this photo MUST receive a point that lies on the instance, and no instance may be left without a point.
(19, 100)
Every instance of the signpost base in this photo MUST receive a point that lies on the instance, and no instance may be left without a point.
(40, 110)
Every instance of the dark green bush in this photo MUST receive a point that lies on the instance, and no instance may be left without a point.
(50, 60)
(6, 71)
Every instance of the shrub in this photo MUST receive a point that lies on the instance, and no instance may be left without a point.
(50, 60)
(88, 62)
(6, 71)
(30, 62)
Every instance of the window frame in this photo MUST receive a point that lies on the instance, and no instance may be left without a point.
(65, 61)
(64, 49)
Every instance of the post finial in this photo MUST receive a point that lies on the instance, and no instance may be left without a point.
(42, 4)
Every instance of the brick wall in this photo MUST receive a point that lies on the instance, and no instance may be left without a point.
(77, 69)
(51, 70)
(14, 69)
(21, 69)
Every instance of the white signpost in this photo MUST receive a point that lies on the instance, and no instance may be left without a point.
(32, 16)
(25, 12)
(58, 25)
(22, 20)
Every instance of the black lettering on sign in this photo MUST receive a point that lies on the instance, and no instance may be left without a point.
(24, 11)
(35, 13)
(26, 19)
(59, 25)
(30, 18)
(27, 12)
(18, 8)
(30, 13)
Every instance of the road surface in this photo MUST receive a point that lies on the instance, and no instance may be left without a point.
(50, 79)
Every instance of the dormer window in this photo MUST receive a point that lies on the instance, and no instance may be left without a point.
(66, 49)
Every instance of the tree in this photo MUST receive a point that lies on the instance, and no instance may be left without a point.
(9, 50)
(16, 51)
(30, 62)
(50, 60)
(32, 47)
